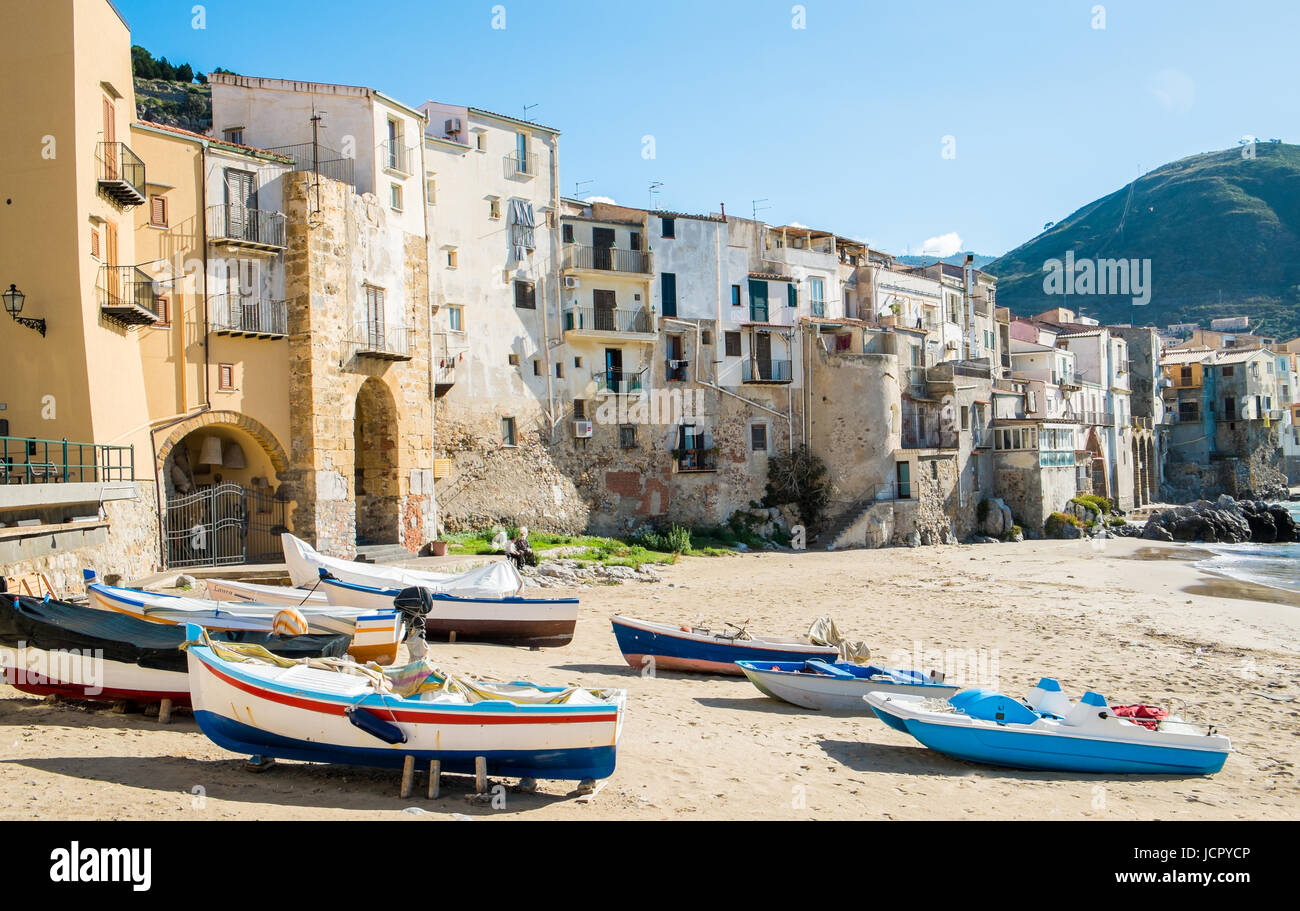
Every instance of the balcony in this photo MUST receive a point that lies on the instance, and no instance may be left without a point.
(32, 461)
(585, 257)
(520, 168)
(398, 158)
(1099, 418)
(916, 385)
(381, 342)
(120, 173)
(127, 295)
(607, 322)
(765, 370)
(243, 227)
(618, 382)
(695, 459)
(676, 370)
(248, 316)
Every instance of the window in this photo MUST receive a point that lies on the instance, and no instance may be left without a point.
(375, 307)
(668, 293)
(1230, 409)
(634, 240)
(579, 409)
(537, 367)
(395, 196)
(1189, 411)
(521, 151)
(1227, 371)
(94, 242)
(735, 295)
(164, 312)
(508, 431)
(525, 295)
(559, 370)
(480, 141)
(817, 296)
(431, 190)
(706, 337)
(226, 377)
(627, 436)
(669, 227)
(452, 258)
(791, 295)
(732, 343)
(456, 318)
(903, 472)
(234, 134)
(512, 360)
(965, 417)
(577, 363)
(158, 211)
(758, 437)
(566, 233)
(494, 207)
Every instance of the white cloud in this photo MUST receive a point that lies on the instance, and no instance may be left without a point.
(797, 224)
(943, 245)
(604, 199)
(1174, 89)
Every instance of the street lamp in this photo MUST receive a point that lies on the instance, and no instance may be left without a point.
(14, 300)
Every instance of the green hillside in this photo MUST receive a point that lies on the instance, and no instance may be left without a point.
(1222, 233)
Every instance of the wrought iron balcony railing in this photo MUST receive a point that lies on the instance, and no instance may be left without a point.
(234, 224)
(398, 158)
(377, 340)
(521, 168)
(765, 370)
(606, 319)
(606, 259)
(620, 382)
(127, 295)
(120, 173)
(242, 314)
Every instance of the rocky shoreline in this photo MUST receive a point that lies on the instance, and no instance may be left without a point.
(1224, 521)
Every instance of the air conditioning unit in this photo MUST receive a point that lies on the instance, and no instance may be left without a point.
(571, 281)
(451, 126)
(582, 429)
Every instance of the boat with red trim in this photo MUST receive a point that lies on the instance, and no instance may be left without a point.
(682, 648)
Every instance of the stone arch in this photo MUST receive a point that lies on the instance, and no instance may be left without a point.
(1100, 477)
(251, 426)
(376, 489)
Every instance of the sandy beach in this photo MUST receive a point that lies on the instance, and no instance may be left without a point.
(1137, 621)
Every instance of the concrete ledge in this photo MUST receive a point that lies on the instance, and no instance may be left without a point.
(28, 496)
(33, 542)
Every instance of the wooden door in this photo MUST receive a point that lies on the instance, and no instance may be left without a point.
(110, 141)
(604, 315)
(602, 242)
(113, 277)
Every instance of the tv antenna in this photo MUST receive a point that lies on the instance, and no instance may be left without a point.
(756, 207)
(577, 187)
(527, 108)
(654, 192)
(313, 217)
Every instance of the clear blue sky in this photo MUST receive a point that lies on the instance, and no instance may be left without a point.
(840, 124)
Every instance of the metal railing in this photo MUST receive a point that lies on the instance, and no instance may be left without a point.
(817, 307)
(696, 459)
(120, 172)
(606, 259)
(324, 161)
(28, 460)
(916, 380)
(606, 319)
(676, 370)
(397, 157)
(765, 370)
(376, 339)
(517, 167)
(1105, 418)
(229, 222)
(127, 294)
(242, 313)
(621, 382)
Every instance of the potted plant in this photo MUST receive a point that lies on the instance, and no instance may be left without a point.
(438, 548)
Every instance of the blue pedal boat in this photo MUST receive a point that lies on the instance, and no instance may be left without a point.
(1050, 732)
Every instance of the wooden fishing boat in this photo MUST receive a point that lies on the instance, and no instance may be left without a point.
(230, 615)
(706, 650)
(252, 593)
(838, 686)
(1050, 732)
(491, 580)
(505, 619)
(345, 715)
(53, 647)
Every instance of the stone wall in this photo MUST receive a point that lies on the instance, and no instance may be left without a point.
(126, 546)
(338, 242)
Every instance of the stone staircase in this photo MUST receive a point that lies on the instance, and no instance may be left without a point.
(382, 553)
(829, 537)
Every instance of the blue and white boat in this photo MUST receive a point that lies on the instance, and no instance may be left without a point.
(1051, 732)
(348, 714)
(680, 648)
(839, 686)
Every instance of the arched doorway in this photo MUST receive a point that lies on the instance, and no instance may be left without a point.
(375, 464)
(1100, 481)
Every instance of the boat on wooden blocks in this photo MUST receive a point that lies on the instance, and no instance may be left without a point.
(1051, 732)
(52, 647)
(344, 713)
(680, 648)
(839, 686)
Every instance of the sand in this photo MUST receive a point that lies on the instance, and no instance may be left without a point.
(1135, 620)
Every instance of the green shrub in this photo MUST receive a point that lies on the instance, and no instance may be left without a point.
(1057, 521)
(1102, 505)
(675, 539)
(800, 478)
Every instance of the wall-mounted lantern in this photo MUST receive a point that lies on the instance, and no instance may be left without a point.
(14, 300)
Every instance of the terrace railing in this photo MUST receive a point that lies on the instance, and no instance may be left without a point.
(765, 370)
(620, 382)
(120, 173)
(28, 460)
(377, 340)
(606, 319)
(241, 314)
(517, 168)
(241, 225)
(324, 161)
(127, 295)
(606, 259)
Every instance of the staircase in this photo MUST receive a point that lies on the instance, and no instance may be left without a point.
(829, 537)
(382, 553)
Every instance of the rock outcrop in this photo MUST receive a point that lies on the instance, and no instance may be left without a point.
(1224, 521)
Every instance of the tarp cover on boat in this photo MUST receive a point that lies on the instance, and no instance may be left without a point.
(824, 632)
(498, 579)
(54, 625)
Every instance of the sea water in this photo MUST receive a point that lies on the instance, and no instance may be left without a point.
(1275, 565)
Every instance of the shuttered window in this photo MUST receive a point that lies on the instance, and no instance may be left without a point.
(158, 211)
(732, 341)
(791, 296)
(525, 295)
(668, 291)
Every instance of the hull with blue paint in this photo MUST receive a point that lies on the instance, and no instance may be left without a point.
(838, 686)
(671, 648)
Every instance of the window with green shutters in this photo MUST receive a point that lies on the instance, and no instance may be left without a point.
(668, 292)
(791, 295)
(758, 300)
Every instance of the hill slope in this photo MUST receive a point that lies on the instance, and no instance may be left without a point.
(1210, 224)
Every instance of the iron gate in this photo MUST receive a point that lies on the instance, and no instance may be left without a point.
(222, 525)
